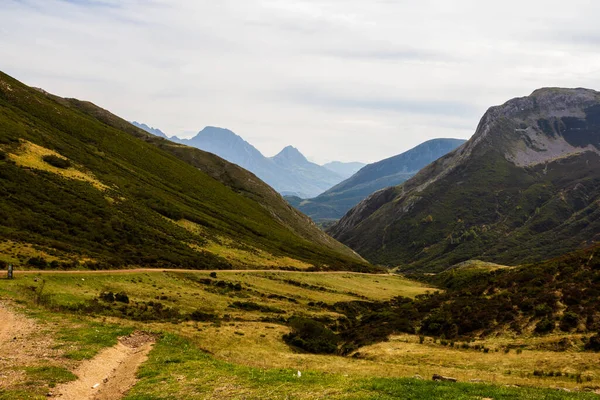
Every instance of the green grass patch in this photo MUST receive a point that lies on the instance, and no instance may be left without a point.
(49, 375)
(85, 341)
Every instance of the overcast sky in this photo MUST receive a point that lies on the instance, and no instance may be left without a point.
(341, 80)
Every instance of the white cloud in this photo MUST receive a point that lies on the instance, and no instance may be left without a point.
(339, 79)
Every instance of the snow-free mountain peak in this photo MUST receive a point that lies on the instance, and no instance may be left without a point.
(291, 155)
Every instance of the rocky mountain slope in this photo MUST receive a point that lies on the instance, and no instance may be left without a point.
(335, 202)
(79, 184)
(525, 187)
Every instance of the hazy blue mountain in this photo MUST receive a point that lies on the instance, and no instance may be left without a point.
(154, 131)
(344, 169)
(289, 172)
(310, 177)
(335, 202)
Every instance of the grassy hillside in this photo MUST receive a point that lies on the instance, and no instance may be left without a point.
(221, 337)
(82, 190)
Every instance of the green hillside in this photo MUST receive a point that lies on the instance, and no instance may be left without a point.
(79, 186)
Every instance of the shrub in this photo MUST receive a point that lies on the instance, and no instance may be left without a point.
(122, 297)
(202, 316)
(37, 262)
(594, 343)
(545, 325)
(109, 297)
(569, 321)
(311, 336)
(542, 310)
(252, 306)
(57, 162)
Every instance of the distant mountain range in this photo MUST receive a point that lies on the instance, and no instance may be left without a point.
(524, 188)
(289, 172)
(335, 202)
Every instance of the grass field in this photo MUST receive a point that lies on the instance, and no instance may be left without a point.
(240, 353)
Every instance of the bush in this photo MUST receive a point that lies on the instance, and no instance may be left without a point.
(122, 297)
(594, 343)
(546, 325)
(37, 262)
(252, 306)
(109, 297)
(57, 162)
(569, 321)
(311, 336)
(201, 316)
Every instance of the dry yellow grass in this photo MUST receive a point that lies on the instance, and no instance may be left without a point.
(29, 155)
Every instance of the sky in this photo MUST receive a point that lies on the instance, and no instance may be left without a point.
(343, 80)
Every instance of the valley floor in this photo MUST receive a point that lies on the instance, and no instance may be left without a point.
(52, 324)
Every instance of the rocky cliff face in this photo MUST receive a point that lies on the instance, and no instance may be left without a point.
(520, 179)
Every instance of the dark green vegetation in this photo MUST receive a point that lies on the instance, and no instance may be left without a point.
(57, 161)
(562, 294)
(311, 336)
(525, 188)
(117, 204)
(336, 202)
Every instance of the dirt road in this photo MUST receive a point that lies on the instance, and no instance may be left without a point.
(138, 270)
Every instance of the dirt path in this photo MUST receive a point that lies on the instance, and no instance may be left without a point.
(22, 343)
(138, 270)
(110, 374)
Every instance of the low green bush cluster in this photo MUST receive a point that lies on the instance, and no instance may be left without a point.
(57, 162)
(252, 306)
(593, 343)
(311, 336)
(111, 297)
